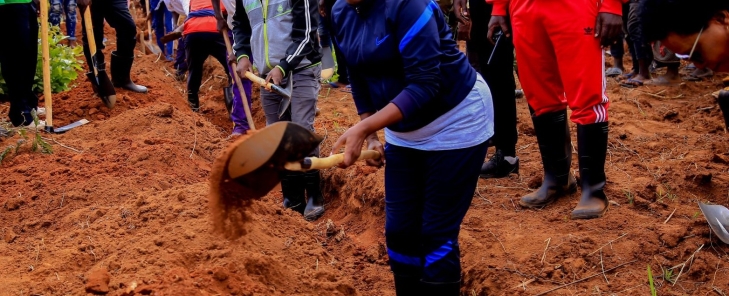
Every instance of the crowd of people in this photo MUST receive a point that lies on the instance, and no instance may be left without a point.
(440, 108)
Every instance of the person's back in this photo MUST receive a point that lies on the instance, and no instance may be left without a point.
(383, 64)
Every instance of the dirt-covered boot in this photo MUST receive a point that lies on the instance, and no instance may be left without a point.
(592, 142)
(553, 137)
(292, 186)
(194, 101)
(500, 166)
(315, 205)
(121, 68)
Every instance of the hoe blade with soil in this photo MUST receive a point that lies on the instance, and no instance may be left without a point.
(255, 162)
(718, 218)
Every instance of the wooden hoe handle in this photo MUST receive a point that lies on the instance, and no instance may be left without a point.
(315, 163)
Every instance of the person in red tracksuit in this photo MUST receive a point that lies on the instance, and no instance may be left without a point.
(561, 64)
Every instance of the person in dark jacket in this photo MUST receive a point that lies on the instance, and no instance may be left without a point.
(282, 38)
(437, 116)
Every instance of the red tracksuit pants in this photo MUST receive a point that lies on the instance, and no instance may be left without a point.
(560, 61)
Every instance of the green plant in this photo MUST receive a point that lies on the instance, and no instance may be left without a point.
(665, 192)
(696, 215)
(668, 275)
(650, 282)
(64, 64)
(38, 144)
(630, 196)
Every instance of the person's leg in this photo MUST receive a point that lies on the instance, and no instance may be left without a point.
(499, 74)
(303, 110)
(237, 113)
(583, 75)
(116, 13)
(642, 49)
(54, 12)
(70, 8)
(181, 59)
(19, 23)
(448, 196)
(169, 26)
(196, 49)
(543, 89)
(404, 199)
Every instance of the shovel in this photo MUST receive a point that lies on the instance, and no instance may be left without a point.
(718, 218)
(254, 163)
(151, 47)
(45, 49)
(97, 75)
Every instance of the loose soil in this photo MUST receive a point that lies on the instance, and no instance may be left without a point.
(121, 206)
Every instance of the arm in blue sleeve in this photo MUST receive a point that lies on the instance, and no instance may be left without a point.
(360, 93)
(417, 32)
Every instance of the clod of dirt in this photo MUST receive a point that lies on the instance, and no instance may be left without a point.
(331, 228)
(98, 281)
(14, 203)
(220, 274)
(672, 235)
(10, 236)
(164, 110)
(79, 112)
(93, 111)
(670, 115)
(720, 158)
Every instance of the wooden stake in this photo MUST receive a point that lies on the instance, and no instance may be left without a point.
(45, 49)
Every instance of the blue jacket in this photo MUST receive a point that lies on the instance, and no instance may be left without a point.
(402, 51)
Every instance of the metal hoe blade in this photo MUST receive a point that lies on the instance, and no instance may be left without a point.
(718, 218)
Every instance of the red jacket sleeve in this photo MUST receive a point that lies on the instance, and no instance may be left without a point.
(612, 6)
(501, 6)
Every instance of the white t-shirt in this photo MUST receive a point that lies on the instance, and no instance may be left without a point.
(181, 7)
(230, 7)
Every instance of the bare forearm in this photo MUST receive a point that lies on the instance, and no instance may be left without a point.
(373, 122)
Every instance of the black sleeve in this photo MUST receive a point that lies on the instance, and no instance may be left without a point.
(304, 35)
(241, 31)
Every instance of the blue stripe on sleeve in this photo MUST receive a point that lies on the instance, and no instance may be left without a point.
(418, 25)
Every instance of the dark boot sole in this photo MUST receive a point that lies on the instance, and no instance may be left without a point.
(586, 216)
(314, 215)
(571, 190)
(499, 176)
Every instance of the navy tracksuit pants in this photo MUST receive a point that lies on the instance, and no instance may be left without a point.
(427, 194)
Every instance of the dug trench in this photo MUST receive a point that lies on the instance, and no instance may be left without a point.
(120, 206)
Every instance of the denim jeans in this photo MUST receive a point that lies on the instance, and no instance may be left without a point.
(54, 16)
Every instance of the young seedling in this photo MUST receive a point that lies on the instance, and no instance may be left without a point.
(630, 196)
(668, 275)
(650, 282)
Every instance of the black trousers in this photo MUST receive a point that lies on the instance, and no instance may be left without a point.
(198, 46)
(116, 13)
(499, 75)
(19, 58)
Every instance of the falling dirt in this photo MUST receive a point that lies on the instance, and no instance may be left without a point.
(121, 206)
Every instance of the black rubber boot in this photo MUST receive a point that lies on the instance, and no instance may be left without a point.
(315, 205)
(121, 67)
(553, 136)
(500, 166)
(292, 186)
(407, 286)
(440, 289)
(592, 140)
(194, 100)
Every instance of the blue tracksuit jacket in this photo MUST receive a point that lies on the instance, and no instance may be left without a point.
(402, 51)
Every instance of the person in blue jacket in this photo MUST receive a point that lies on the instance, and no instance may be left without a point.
(409, 78)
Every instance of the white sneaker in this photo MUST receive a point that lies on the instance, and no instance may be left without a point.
(40, 111)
